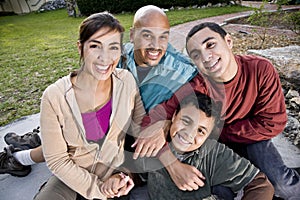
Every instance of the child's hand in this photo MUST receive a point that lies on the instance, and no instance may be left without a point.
(150, 141)
(185, 177)
(117, 185)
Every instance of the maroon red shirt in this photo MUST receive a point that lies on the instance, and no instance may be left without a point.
(253, 101)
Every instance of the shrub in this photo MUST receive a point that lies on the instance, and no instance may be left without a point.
(260, 18)
(293, 21)
(88, 7)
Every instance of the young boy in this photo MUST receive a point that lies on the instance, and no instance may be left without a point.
(194, 120)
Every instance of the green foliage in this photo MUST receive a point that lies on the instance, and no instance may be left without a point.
(36, 49)
(280, 3)
(260, 18)
(265, 19)
(293, 21)
(88, 7)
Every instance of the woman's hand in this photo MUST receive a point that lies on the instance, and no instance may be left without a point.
(117, 185)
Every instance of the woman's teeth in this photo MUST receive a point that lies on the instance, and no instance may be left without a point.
(102, 68)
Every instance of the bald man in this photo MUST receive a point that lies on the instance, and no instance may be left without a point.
(159, 70)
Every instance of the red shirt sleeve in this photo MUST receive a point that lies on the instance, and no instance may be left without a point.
(166, 109)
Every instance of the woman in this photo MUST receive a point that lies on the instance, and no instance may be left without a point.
(85, 116)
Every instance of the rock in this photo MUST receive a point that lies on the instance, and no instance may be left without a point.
(292, 129)
(297, 140)
(53, 5)
(291, 94)
(292, 124)
(295, 103)
(286, 59)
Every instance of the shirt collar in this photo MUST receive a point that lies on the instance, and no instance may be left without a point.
(182, 157)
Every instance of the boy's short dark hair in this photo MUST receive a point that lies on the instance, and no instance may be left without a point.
(211, 25)
(203, 102)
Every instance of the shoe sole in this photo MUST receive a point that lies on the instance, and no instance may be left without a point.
(16, 173)
(21, 147)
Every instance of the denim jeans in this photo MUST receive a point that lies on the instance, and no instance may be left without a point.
(223, 193)
(266, 157)
(286, 181)
(139, 193)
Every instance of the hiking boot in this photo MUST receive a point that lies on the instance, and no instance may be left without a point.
(29, 140)
(9, 165)
(297, 170)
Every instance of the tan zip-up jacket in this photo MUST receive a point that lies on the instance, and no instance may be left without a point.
(81, 165)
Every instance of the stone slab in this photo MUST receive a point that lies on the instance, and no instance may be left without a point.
(26, 187)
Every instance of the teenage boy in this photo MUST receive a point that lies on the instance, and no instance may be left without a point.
(192, 123)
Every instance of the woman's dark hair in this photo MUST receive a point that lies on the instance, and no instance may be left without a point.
(96, 21)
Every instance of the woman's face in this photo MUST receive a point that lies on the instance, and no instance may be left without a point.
(101, 53)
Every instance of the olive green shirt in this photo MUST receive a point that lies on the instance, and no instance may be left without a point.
(219, 165)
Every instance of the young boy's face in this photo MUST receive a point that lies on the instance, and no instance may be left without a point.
(190, 128)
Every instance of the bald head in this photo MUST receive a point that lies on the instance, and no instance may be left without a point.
(150, 15)
(150, 35)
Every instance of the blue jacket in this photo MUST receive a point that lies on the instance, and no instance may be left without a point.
(174, 70)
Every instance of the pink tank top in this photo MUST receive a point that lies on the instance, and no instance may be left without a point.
(96, 123)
